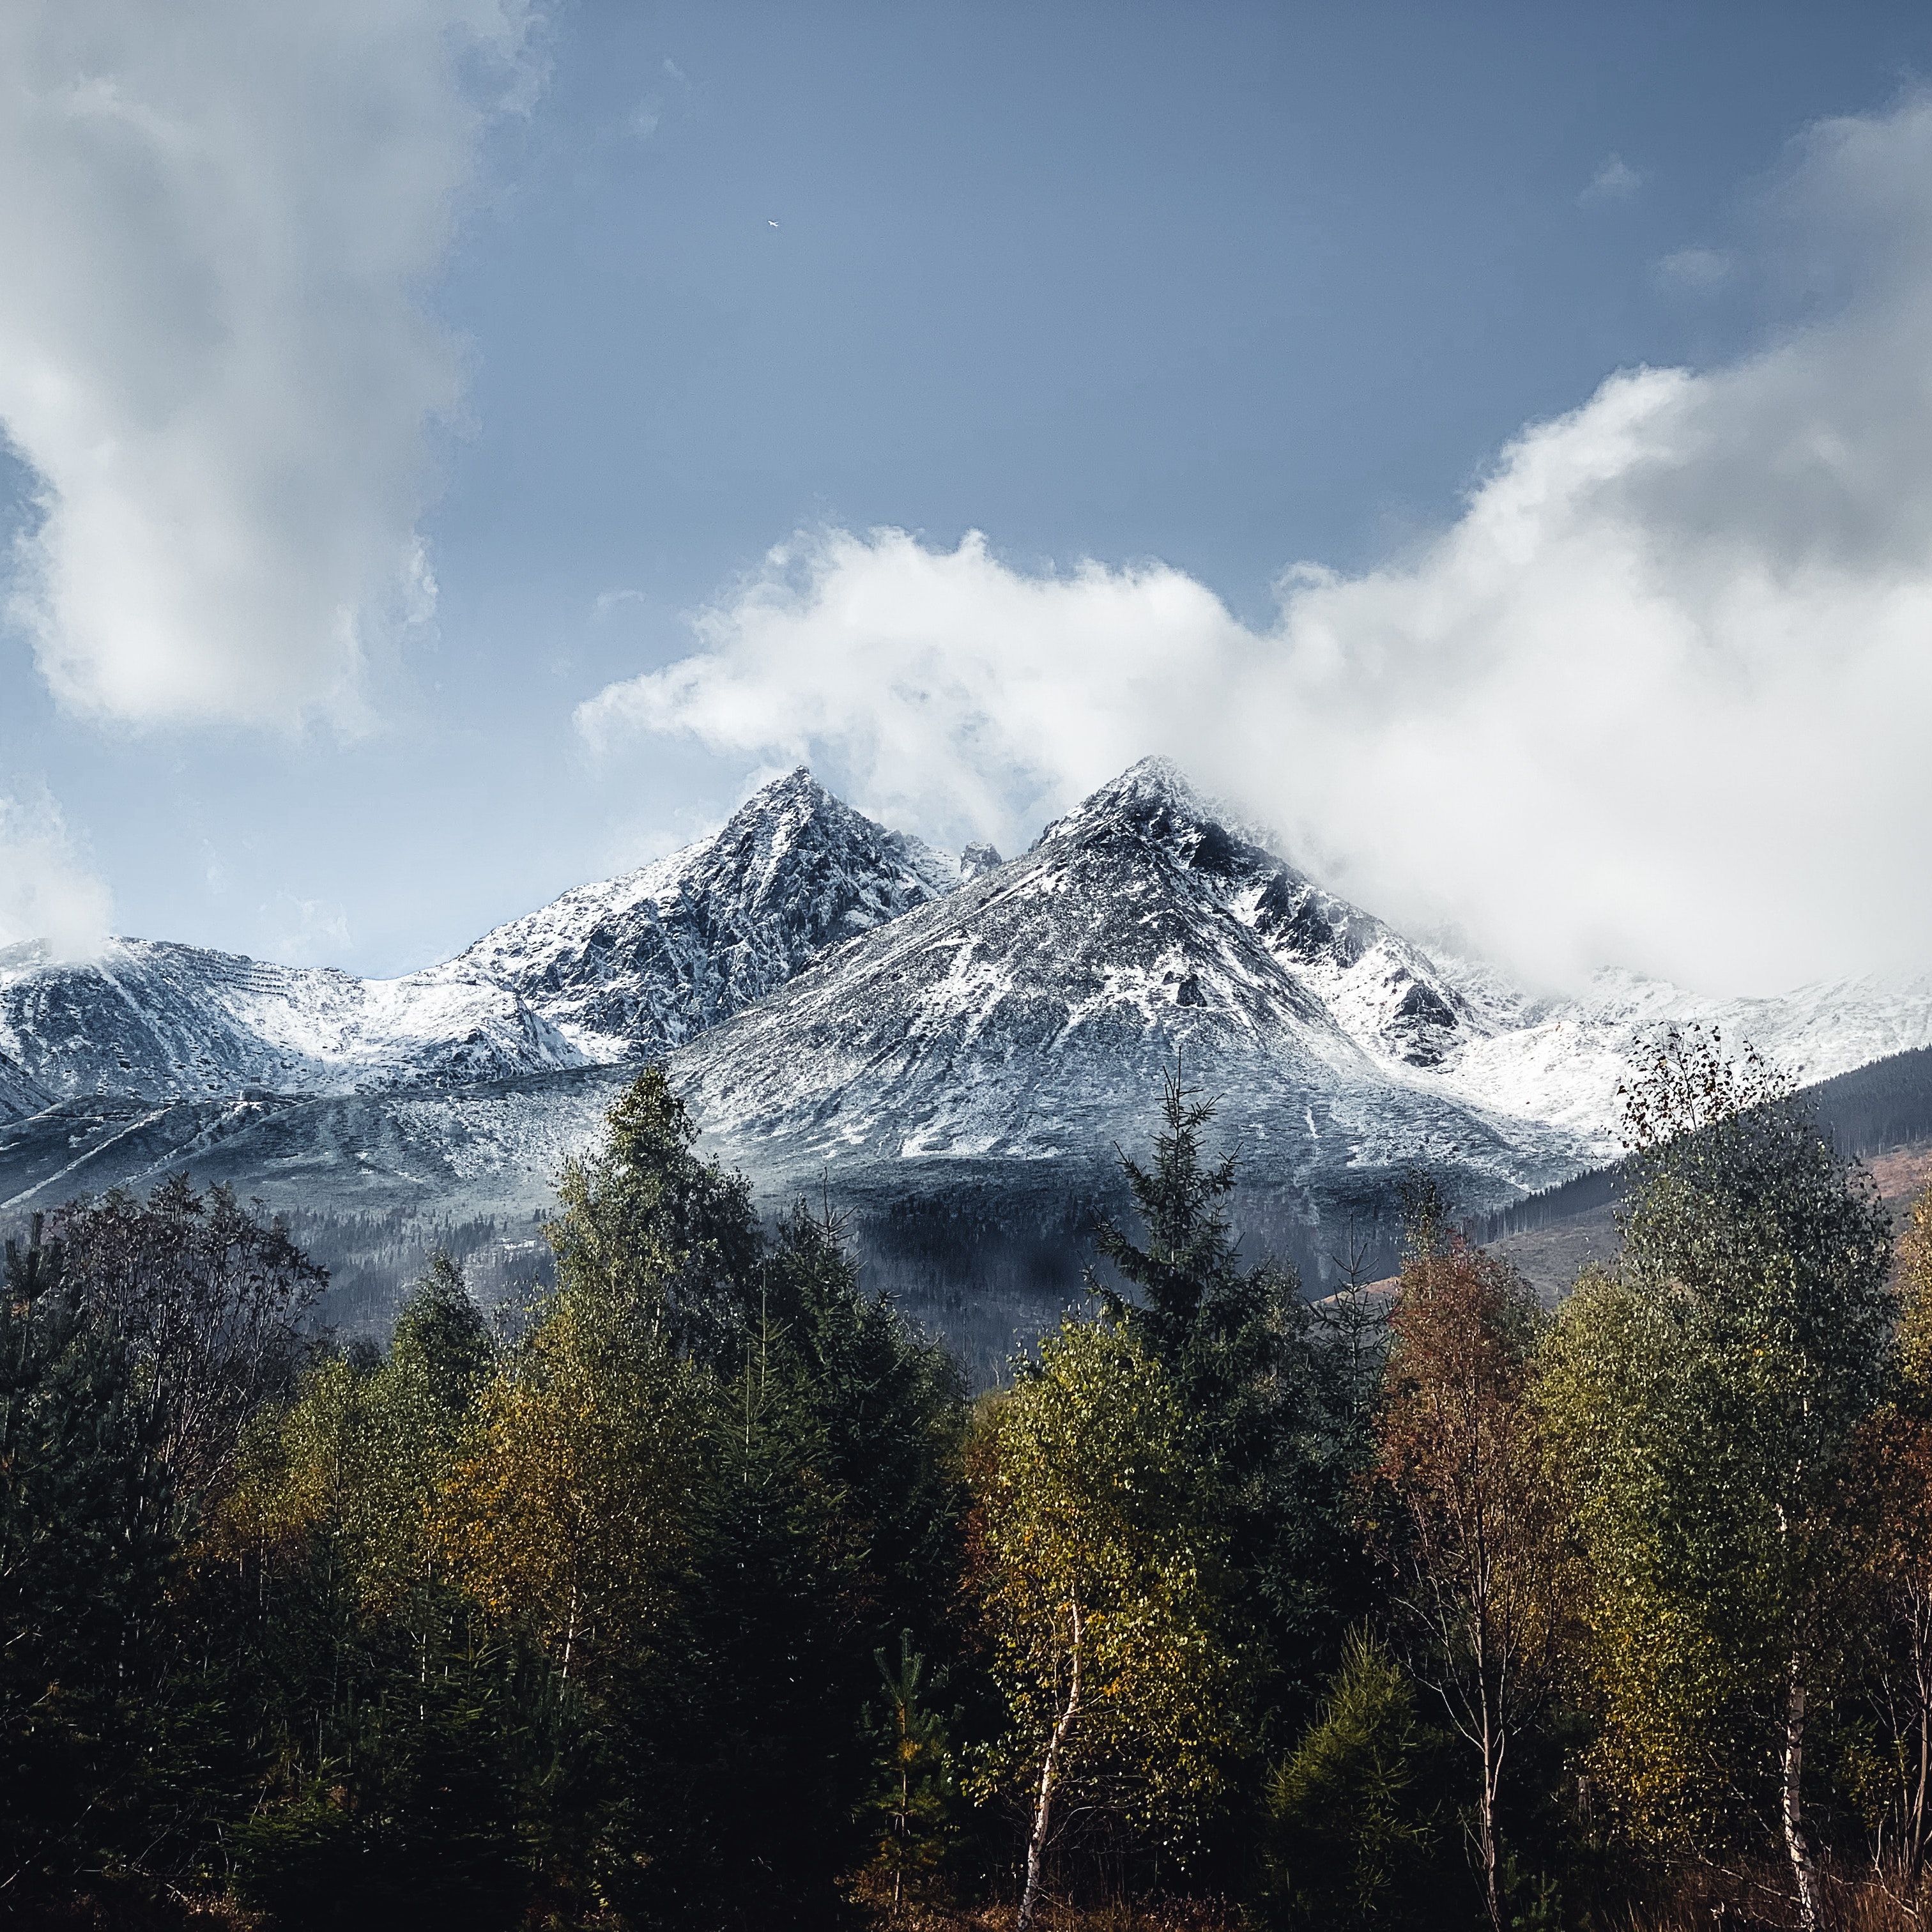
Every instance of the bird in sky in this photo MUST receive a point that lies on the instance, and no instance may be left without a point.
(771, 224)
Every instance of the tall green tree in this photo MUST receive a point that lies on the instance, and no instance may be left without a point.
(390, 1727)
(1100, 1567)
(1274, 1405)
(84, 1558)
(1708, 1399)
(646, 1223)
(1355, 1831)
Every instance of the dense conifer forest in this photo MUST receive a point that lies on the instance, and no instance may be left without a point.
(694, 1590)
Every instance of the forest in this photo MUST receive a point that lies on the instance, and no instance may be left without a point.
(701, 1593)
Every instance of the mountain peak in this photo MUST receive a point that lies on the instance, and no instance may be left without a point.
(1153, 781)
(1155, 795)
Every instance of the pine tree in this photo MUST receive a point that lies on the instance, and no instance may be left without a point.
(915, 1786)
(646, 1222)
(83, 1561)
(1274, 1405)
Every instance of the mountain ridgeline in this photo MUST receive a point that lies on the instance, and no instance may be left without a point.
(950, 1049)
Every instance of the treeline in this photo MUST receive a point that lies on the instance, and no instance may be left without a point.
(700, 1594)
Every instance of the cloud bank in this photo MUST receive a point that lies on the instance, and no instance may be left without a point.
(1661, 695)
(220, 221)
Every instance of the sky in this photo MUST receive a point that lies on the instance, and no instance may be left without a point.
(456, 449)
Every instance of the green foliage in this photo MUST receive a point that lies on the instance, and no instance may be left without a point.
(641, 1619)
(1358, 1824)
(1279, 1412)
(84, 1558)
(647, 1225)
(1706, 1404)
(413, 1828)
(1102, 1576)
(911, 1805)
(708, 1482)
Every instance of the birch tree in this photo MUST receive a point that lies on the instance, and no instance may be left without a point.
(571, 1504)
(1099, 1573)
(1711, 1398)
(1473, 1541)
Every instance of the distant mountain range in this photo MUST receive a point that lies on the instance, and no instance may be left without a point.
(847, 1009)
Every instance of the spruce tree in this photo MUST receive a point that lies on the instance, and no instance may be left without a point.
(83, 1562)
(1272, 1407)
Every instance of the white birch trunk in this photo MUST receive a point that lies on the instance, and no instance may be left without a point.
(1042, 1812)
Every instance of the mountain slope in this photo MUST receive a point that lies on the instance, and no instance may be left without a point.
(609, 972)
(846, 1006)
(629, 968)
(170, 1021)
(1560, 1060)
(1026, 1020)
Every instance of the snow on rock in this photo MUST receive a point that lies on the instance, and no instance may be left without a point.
(620, 970)
(1560, 1059)
(1029, 1017)
(844, 1001)
(173, 1021)
(19, 1094)
(632, 966)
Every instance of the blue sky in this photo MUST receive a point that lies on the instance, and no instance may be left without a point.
(585, 310)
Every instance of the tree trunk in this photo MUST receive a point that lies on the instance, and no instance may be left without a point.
(1802, 1869)
(1043, 1810)
(1915, 1818)
(1492, 1768)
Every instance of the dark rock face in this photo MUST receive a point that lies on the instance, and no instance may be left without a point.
(975, 861)
(623, 970)
(634, 966)
(1027, 1018)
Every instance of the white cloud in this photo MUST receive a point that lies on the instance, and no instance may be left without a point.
(1615, 180)
(298, 929)
(1660, 695)
(48, 890)
(220, 220)
(1695, 268)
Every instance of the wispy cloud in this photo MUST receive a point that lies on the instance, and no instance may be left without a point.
(1615, 180)
(1657, 695)
(1695, 268)
(221, 223)
(303, 931)
(49, 889)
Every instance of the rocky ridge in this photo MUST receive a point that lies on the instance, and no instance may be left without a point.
(632, 967)
(625, 969)
(842, 1002)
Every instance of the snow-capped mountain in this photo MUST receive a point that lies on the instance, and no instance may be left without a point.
(841, 1002)
(1560, 1060)
(631, 967)
(171, 1021)
(609, 972)
(1027, 1018)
